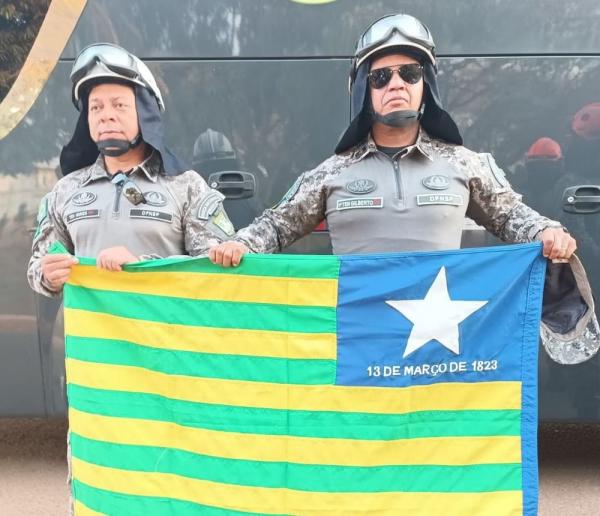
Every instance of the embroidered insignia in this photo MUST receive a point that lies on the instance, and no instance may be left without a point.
(497, 172)
(360, 202)
(451, 199)
(41, 216)
(155, 198)
(361, 186)
(209, 204)
(436, 182)
(221, 221)
(150, 214)
(289, 195)
(84, 198)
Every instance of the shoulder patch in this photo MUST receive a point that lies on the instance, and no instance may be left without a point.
(498, 174)
(209, 204)
(221, 221)
(42, 210)
(289, 195)
(42, 215)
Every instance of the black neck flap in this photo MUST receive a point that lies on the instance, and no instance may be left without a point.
(435, 120)
(82, 151)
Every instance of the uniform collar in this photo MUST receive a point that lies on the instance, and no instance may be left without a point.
(150, 167)
(368, 146)
(94, 172)
(424, 144)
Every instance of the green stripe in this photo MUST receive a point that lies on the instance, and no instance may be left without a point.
(302, 477)
(206, 365)
(210, 314)
(109, 502)
(297, 423)
(283, 266)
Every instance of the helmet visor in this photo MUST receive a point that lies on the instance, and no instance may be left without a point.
(114, 58)
(411, 30)
(118, 61)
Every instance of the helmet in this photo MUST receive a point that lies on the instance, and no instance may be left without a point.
(213, 152)
(108, 61)
(105, 62)
(544, 149)
(212, 145)
(406, 35)
(586, 122)
(394, 30)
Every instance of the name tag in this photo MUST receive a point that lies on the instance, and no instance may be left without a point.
(451, 199)
(150, 214)
(83, 214)
(360, 202)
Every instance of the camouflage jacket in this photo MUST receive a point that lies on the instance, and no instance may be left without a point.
(87, 212)
(416, 200)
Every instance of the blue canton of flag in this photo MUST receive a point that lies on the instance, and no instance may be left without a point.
(421, 318)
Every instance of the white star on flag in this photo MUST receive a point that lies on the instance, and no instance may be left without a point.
(436, 317)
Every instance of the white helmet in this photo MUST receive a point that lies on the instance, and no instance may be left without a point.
(393, 30)
(105, 60)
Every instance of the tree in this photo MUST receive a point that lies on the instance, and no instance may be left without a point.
(20, 21)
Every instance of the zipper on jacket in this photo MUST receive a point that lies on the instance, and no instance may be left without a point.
(396, 165)
(397, 178)
(117, 203)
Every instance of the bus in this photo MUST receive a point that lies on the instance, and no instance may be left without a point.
(257, 92)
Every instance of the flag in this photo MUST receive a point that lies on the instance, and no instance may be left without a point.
(380, 384)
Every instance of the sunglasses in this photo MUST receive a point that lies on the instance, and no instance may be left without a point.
(409, 73)
(130, 190)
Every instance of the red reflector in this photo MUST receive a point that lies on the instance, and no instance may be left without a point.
(322, 226)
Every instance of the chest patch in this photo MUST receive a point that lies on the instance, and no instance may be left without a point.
(150, 214)
(359, 202)
(84, 198)
(436, 182)
(155, 198)
(451, 199)
(361, 186)
(82, 214)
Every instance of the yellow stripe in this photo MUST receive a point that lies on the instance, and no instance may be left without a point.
(452, 451)
(82, 510)
(382, 400)
(80, 323)
(276, 501)
(214, 287)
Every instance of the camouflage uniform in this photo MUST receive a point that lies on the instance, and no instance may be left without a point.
(86, 212)
(415, 201)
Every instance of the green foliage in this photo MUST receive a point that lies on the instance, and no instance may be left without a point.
(20, 21)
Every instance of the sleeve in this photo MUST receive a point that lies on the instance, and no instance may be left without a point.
(296, 215)
(205, 221)
(497, 207)
(50, 229)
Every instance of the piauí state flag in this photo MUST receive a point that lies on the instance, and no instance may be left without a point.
(318, 385)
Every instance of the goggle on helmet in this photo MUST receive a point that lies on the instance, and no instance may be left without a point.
(393, 30)
(105, 60)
